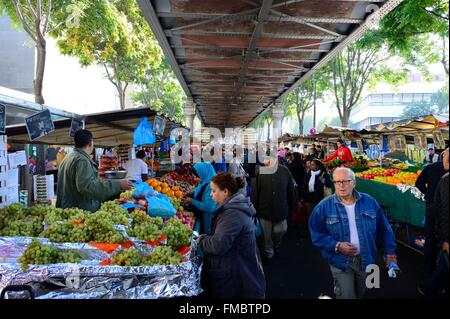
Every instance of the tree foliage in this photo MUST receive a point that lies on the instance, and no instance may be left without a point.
(39, 18)
(114, 35)
(161, 91)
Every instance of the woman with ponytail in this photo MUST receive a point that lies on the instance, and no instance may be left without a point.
(232, 265)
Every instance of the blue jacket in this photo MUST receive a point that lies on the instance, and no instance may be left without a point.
(329, 225)
(205, 205)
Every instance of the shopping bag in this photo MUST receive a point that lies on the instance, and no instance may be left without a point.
(300, 214)
(160, 206)
(258, 228)
(143, 133)
(142, 191)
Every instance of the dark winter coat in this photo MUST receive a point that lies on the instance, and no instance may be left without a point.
(429, 179)
(318, 193)
(441, 209)
(298, 172)
(274, 195)
(232, 265)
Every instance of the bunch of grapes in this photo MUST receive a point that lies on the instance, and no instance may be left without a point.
(139, 217)
(58, 232)
(128, 257)
(39, 254)
(11, 213)
(176, 203)
(146, 231)
(56, 214)
(163, 255)
(117, 214)
(177, 233)
(29, 226)
(128, 195)
(101, 229)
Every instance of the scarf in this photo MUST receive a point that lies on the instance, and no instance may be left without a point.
(312, 180)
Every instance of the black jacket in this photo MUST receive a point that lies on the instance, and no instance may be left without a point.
(232, 266)
(441, 209)
(318, 193)
(298, 172)
(429, 179)
(274, 195)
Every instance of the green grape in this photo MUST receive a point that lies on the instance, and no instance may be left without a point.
(101, 229)
(127, 257)
(39, 254)
(56, 214)
(163, 255)
(58, 232)
(117, 214)
(128, 195)
(29, 226)
(178, 234)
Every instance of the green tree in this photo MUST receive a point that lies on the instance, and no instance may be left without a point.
(353, 69)
(419, 109)
(39, 18)
(161, 91)
(114, 35)
(417, 30)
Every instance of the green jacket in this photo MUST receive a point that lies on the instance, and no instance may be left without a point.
(79, 185)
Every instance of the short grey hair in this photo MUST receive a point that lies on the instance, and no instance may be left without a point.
(350, 173)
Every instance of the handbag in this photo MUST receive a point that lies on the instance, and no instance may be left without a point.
(258, 227)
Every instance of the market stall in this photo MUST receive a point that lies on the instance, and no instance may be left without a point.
(390, 176)
(141, 245)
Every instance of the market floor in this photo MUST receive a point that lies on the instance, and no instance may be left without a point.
(300, 272)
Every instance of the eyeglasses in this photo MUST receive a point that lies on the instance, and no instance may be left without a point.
(345, 183)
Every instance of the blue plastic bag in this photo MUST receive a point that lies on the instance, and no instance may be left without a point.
(159, 205)
(142, 191)
(163, 147)
(143, 133)
(258, 227)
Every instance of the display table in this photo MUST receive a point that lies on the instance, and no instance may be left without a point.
(403, 207)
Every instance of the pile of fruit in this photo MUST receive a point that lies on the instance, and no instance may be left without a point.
(144, 227)
(178, 234)
(391, 176)
(185, 178)
(39, 254)
(357, 165)
(173, 192)
(162, 255)
(186, 218)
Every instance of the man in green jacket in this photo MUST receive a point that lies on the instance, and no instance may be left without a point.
(78, 182)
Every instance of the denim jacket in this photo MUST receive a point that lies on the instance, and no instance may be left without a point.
(329, 225)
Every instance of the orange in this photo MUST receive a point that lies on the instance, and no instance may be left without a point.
(176, 188)
(170, 193)
(158, 189)
(164, 185)
(178, 194)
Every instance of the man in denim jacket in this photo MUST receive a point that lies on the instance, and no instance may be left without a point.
(346, 227)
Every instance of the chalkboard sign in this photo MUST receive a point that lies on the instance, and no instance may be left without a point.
(159, 124)
(39, 125)
(2, 118)
(75, 127)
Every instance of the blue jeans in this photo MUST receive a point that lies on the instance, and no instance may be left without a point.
(350, 284)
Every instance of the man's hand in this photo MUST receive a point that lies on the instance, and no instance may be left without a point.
(126, 184)
(187, 200)
(347, 249)
(445, 246)
(391, 258)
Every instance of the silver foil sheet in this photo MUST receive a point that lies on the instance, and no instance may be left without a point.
(89, 280)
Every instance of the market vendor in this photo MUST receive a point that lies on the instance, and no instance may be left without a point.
(431, 157)
(343, 153)
(202, 201)
(136, 168)
(78, 182)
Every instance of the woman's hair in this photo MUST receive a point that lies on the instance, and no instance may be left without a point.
(297, 156)
(227, 181)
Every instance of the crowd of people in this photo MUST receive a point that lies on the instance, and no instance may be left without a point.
(235, 196)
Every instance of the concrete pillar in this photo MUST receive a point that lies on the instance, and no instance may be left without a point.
(189, 113)
(277, 114)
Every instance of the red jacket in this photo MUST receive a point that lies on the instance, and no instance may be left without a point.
(343, 153)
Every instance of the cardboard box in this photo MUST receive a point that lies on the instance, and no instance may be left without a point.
(49, 184)
(17, 159)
